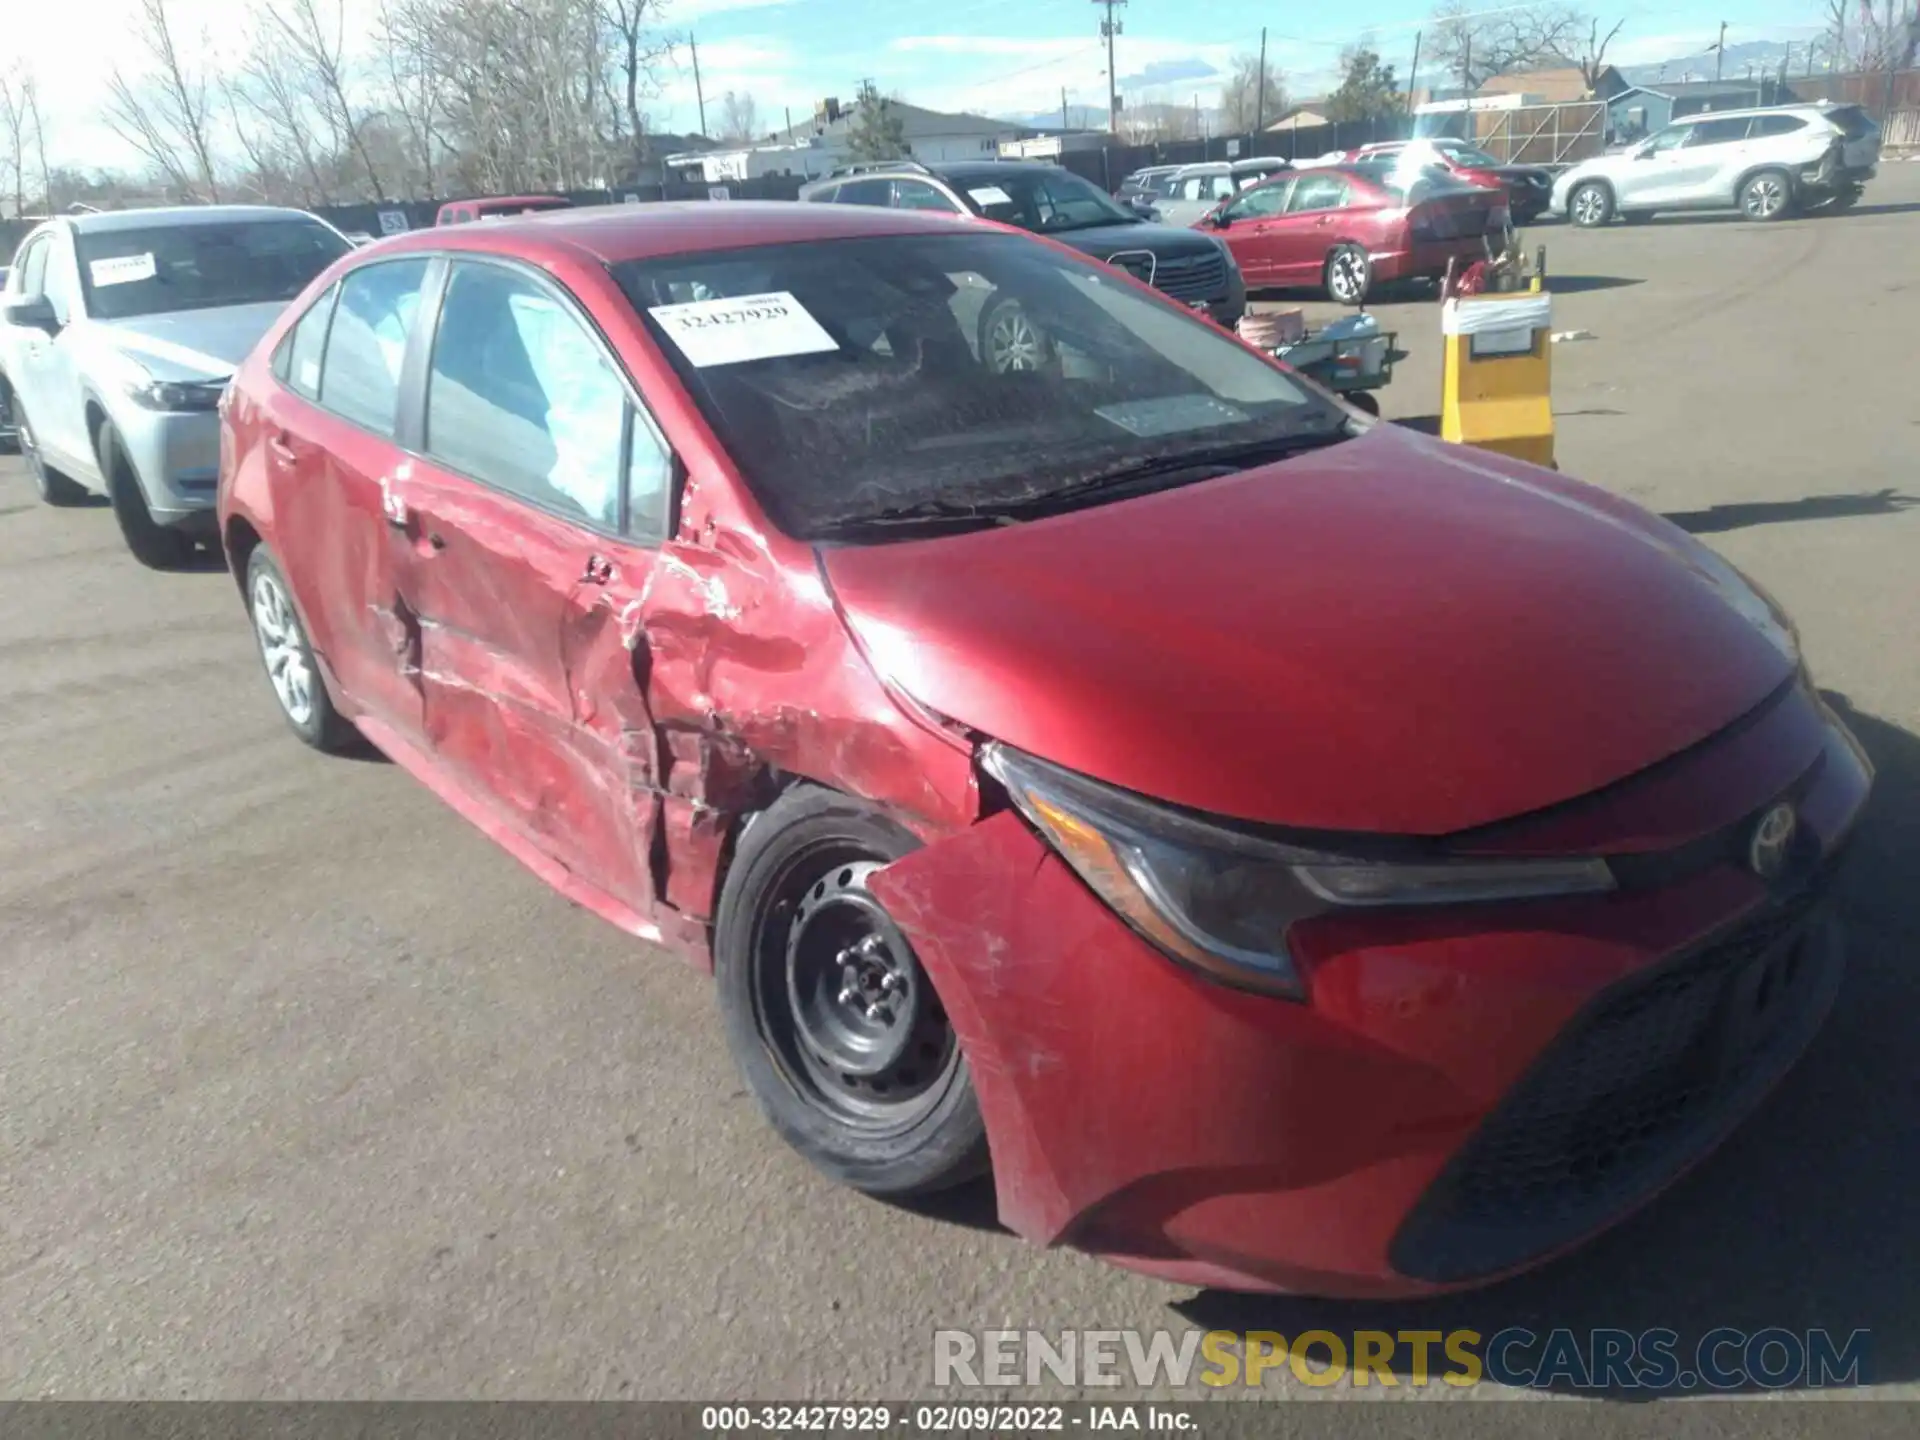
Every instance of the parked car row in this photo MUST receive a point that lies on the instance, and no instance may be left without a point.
(1009, 714)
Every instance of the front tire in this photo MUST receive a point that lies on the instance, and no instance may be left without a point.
(829, 1015)
(1590, 205)
(52, 487)
(288, 658)
(1767, 196)
(1348, 275)
(1010, 342)
(156, 546)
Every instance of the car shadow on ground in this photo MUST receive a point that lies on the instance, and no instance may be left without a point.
(1803, 1220)
(1579, 284)
(1739, 516)
(1734, 217)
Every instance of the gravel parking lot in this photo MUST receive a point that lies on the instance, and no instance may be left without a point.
(311, 1091)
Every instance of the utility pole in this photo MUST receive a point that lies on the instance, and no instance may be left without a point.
(1260, 106)
(1466, 66)
(698, 93)
(1110, 27)
(1413, 75)
(1720, 50)
(789, 110)
(1063, 108)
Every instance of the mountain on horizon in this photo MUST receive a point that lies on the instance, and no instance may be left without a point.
(1764, 56)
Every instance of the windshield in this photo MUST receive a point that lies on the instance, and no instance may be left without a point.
(1467, 155)
(128, 273)
(1044, 201)
(854, 380)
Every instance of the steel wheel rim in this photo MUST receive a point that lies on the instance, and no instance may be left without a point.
(1013, 344)
(821, 964)
(283, 649)
(1347, 276)
(1764, 198)
(1587, 207)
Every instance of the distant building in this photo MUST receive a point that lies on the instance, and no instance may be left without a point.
(1639, 110)
(1549, 87)
(1302, 115)
(821, 145)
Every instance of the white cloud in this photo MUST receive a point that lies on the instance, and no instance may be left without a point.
(988, 44)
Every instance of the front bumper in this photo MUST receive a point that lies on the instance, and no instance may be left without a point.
(176, 457)
(1341, 1146)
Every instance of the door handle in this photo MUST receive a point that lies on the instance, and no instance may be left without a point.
(598, 571)
(278, 447)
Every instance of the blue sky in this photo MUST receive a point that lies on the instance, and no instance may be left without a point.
(1014, 56)
(998, 57)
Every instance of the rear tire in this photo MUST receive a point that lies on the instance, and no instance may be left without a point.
(154, 545)
(1363, 401)
(1010, 341)
(288, 659)
(830, 1017)
(52, 487)
(1590, 205)
(1348, 275)
(1767, 196)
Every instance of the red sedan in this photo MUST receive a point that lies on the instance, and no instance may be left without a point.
(1349, 228)
(1294, 853)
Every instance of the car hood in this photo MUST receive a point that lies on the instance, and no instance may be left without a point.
(1388, 635)
(192, 344)
(1101, 241)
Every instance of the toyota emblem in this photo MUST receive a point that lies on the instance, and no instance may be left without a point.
(1772, 842)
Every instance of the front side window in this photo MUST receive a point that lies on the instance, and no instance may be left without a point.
(522, 398)
(1044, 201)
(1670, 138)
(30, 270)
(1262, 201)
(1321, 191)
(865, 192)
(858, 382)
(301, 353)
(161, 269)
(360, 377)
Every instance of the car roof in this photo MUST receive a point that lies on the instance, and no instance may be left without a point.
(611, 234)
(509, 200)
(106, 221)
(1818, 107)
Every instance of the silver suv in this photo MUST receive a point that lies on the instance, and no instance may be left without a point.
(1766, 163)
(121, 331)
(1193, 192)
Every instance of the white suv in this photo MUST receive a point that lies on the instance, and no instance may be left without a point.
(1766, 163)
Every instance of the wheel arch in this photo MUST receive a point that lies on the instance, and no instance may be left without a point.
(1766, 167)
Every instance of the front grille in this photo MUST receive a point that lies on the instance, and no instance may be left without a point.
(1184, 277)
(1644, 1081)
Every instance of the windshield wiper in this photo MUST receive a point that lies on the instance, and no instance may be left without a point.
(1012, 509)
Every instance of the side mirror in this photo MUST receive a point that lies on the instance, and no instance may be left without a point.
(1219, 219)
(33, 314)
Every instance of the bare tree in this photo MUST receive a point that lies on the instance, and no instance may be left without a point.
(639, 50)
(1860, 38)
(163, 112)
(415, 88)
(740, 118)
(1473, 44)
(313, 42)
(1590, 54)
(1241, 98)
(32, 93)
(14, 124)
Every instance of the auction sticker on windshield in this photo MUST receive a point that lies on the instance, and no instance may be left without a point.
(990, 195)
(121, 269)
(744, 327)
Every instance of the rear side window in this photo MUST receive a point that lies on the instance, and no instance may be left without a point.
(360, 379)
(825, 195)
(865, 192)
(522, 398)
(32, 267)
(298, 360)
(1766, 125)
(1718, 132)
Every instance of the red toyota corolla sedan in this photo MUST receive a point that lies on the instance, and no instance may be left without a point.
(1349, 228)
(1298, 853)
